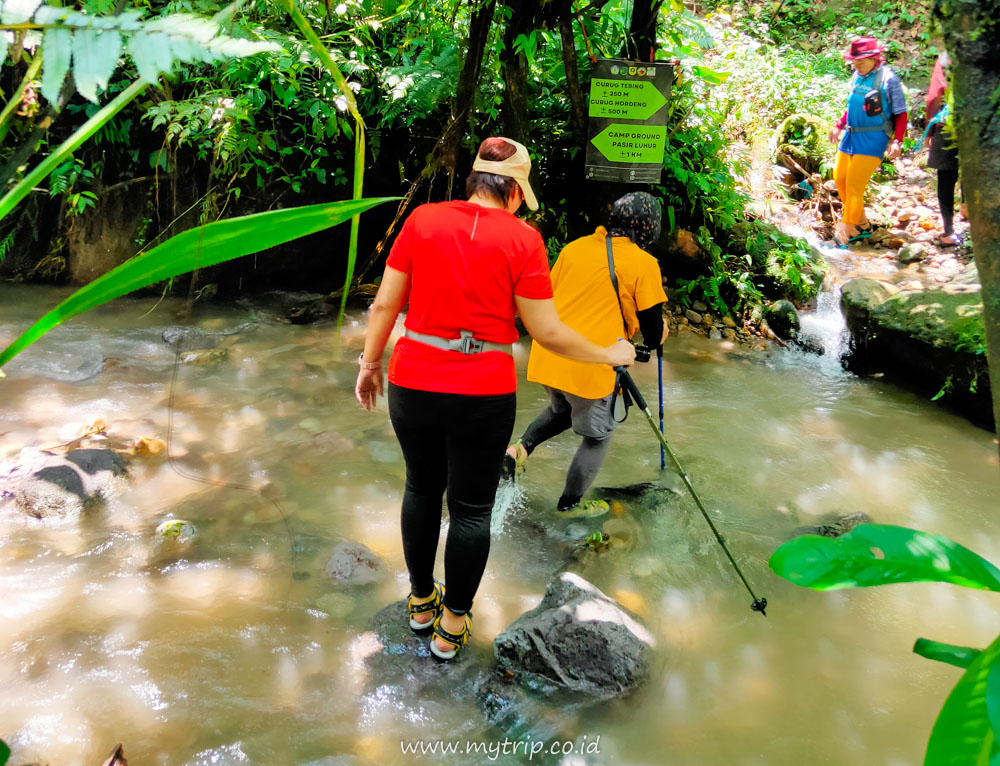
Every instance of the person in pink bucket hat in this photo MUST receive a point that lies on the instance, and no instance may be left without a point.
(873, 126)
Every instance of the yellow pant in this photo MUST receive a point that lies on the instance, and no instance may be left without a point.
(852, 173)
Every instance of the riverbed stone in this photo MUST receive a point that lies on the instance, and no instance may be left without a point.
(912, 253)
(577, 639)
(699, 306)
(783, 319)
(353, 563)
(49, 485)
(931, 340)
(834, 527)
(693, 316)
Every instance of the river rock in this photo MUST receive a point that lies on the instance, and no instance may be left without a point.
(355, 564)
(931, 340)
(715, 334)
(693, 316)
(699, 306)
(913, 253)
(402, 674)
(968, 277)
(859, 297)
(578, 639)
(47, 485)
(880, 236)
(834, 527)
(782, 317)
(205, 356)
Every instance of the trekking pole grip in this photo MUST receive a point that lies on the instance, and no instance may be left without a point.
(629, 384)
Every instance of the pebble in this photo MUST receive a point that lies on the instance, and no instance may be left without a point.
(714, 334)
(913, 253)
(728, 321)
(693, 316)
(699, 306)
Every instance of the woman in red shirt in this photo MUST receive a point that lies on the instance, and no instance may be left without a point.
(466, 268)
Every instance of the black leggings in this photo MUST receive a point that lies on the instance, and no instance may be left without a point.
(946, 197)
(454, 442)
(586, 462)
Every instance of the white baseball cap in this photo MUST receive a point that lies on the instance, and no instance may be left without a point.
(517, 166)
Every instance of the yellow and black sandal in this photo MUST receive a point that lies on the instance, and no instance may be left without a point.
(457, 640)
(434, 606)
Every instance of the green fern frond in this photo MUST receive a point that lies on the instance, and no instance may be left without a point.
(93, 44)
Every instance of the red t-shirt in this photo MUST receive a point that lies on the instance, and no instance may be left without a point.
(466, 263)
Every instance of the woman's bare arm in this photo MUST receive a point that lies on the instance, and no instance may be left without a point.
(544, 325)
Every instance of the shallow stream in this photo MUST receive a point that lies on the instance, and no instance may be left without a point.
(237, 649)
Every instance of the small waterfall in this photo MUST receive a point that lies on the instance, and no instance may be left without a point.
(825, 326)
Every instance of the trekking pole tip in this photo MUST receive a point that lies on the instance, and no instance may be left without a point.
(759, 605)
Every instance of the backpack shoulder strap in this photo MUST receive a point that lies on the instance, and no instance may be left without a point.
(883, 92)
(614, 282)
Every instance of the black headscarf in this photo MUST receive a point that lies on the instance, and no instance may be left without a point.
(636, 216)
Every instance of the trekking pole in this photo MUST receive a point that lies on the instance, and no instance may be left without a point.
(659, 381)
(759, 604)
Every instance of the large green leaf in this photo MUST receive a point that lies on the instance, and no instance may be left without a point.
(962, 735)
(959, 656)
(880, 554)
(197, 248)
(4, 753)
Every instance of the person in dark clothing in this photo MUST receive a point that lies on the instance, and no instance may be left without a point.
(943, 155)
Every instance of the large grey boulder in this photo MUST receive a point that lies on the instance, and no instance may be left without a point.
(355, 564)
(578, 639)
(47, 485)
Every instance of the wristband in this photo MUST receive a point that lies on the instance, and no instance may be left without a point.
(367, 365)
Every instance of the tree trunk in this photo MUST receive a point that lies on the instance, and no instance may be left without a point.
(972, 36)
(446, 150)
(514, 109)
(573, 89)
(641, 42)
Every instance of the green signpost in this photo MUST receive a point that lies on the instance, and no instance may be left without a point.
(628, 118)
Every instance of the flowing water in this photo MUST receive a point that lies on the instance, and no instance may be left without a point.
(237, 649)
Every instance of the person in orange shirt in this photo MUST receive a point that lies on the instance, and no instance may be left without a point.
(586, 298)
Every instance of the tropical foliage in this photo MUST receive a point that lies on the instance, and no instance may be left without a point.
(234, 136)
(968, 727)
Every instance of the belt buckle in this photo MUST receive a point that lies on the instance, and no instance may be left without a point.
(469, 345)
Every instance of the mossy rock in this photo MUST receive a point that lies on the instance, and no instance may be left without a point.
(800, 143)
(933, 340)
(937, 317)
(782, 317)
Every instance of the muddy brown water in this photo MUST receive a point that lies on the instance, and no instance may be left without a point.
(237, 649)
